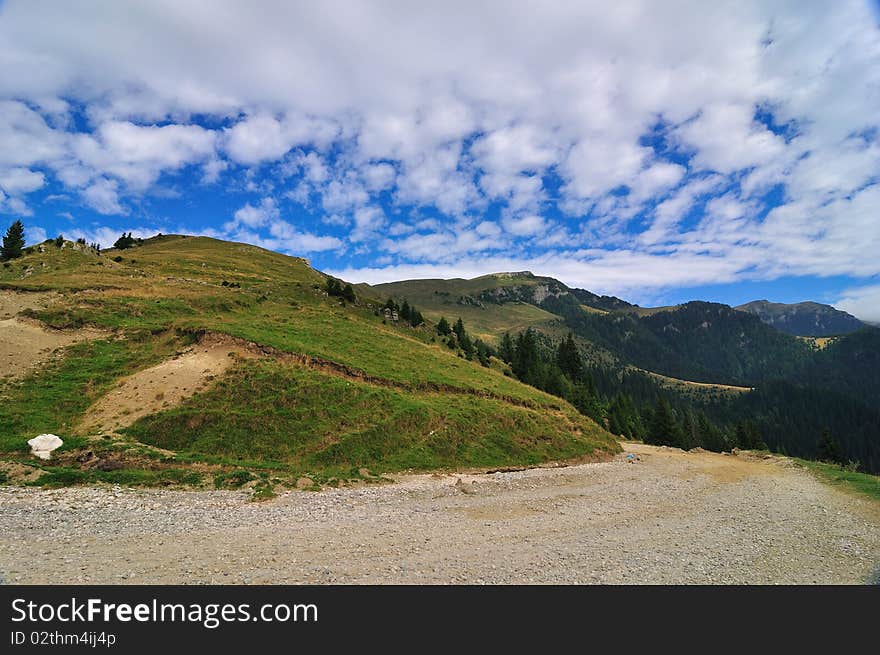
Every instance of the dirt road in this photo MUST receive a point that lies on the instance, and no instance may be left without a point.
(666, 518)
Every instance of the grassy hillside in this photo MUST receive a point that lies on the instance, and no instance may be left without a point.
(460, 298)
(373, 395)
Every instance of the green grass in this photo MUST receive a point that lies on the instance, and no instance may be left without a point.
(424, 407)
(54, 398)
(133, 477)
(277, 305)
(310, 420)
(436, 298)
(862, 483)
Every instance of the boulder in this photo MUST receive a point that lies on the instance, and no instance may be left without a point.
(43, 445)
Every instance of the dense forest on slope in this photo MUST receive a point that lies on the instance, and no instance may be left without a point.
(699, 341)
(785, 416)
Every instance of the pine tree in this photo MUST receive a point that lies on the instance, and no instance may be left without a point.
(483, 352)
(618, 422)
(415, 318)
(405, 311)
(506, 349)
(348, 293)
(568, 358)
(526, 360)
(829, 449)
(586, 403)
(710, 436)
(13, 242)
(690, 431)
(467, 346)
(333, 287)
(663, 428)
(125, 241)
(458, 328)
(443, 328)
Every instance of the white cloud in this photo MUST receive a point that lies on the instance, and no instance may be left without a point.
(102, 196)
(726, 138)
(367, 221)
(862, 302)
(138, 154)
(25, 136)
(33, 233)
(15, 181)
(255, 216)
(368, 100)
(294, 241)
(528, 225)
(378, 177)
(262, 137)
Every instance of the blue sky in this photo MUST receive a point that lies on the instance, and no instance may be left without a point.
(653, 151)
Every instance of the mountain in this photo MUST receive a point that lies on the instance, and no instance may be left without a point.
(494, 304)
(741, 374)
(198, 359)
(804, 319)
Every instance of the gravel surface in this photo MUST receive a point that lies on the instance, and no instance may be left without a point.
(668, 517)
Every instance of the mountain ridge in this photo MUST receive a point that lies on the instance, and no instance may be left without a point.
(804, 319)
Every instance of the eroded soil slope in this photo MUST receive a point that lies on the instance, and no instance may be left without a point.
(162, 386)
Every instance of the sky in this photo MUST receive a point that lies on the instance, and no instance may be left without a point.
(657, 151)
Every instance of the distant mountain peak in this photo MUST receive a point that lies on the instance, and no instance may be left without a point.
(803, 319)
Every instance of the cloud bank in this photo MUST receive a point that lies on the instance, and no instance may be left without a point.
(618, 147)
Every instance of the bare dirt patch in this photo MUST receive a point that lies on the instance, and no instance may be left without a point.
(13, 302)
(26, 344)
(20, 473)
(162, 386)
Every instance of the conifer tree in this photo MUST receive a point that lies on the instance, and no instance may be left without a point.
(443, 328)
(663, 428)
(828, 448)
(568, 358)
(506, 349)
(13, 242)
(526, 360)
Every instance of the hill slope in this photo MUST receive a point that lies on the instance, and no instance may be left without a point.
(711, 362)
(313, 385)
(804, 319)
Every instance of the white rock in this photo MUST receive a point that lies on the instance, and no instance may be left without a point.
(43, 445)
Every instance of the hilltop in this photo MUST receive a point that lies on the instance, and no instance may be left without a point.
(804, 319)
(211, 361)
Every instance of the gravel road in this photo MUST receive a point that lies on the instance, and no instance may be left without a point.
(669, 517)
